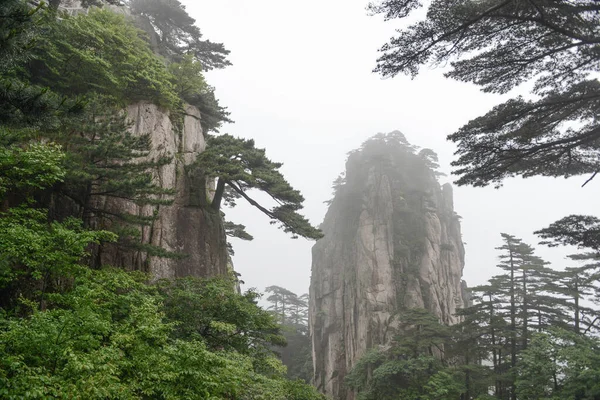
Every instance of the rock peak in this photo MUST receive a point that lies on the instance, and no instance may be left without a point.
(392, 241)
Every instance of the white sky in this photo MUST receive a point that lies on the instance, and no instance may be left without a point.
(301, 85)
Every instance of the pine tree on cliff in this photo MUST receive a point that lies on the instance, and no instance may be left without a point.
(177, 33)
(23, 104)
(239, 166)
(76, 56)
(106, 159)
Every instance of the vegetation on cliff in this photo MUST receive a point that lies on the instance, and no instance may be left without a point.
(69, 326)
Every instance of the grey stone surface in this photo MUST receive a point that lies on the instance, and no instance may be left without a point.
(187, 226)
(392, 240)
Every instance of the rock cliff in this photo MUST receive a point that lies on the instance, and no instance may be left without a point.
(187, 226)
(392, 241)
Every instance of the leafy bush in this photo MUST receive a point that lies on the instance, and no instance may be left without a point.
(111, 335)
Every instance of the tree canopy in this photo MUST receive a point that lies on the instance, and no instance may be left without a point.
(291, 311)
(177, 33)
(239, 165)
(498, 45)
(530, 333)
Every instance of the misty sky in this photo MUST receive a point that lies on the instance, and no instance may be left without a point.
(302, 87)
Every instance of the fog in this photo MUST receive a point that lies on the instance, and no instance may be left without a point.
(301, 85)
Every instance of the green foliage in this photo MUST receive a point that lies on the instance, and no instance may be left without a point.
(236, 230)
(176, 33)
(238, 164)
(499, 45)
(33, 166)
(409, 368)
(176, 37)
(111, 335)
(536, 369)
(101, 52)
(187, 77)
(213, 114)
(38, 255)
(210, 308)
(18, 27)
(23, 104)
(560, 365)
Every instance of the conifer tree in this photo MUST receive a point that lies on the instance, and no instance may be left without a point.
(478, 338)
(282, 302)
(21, 103)
(177, 34)
(291, 311)
(499, 45)
(579, 285)
(239, 166)
(512, 260)
(106, 159)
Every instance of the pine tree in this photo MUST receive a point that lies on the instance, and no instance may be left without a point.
(499, 45)
(575, 230)
(509, 309)
(512, 260)
(291, 311)
(579, 285)
(21, 103)
(239, 166)
(106, 160)
(282, 302)
(478, 340)
(177, 34)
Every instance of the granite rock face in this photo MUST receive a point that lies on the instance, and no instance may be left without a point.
(392, 241)
(187, 226)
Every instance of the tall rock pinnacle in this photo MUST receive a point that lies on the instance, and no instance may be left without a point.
(392, 241)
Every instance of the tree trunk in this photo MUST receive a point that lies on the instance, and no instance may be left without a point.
(216, 203)
(576, 299)
(525, 311)
(513, 325)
